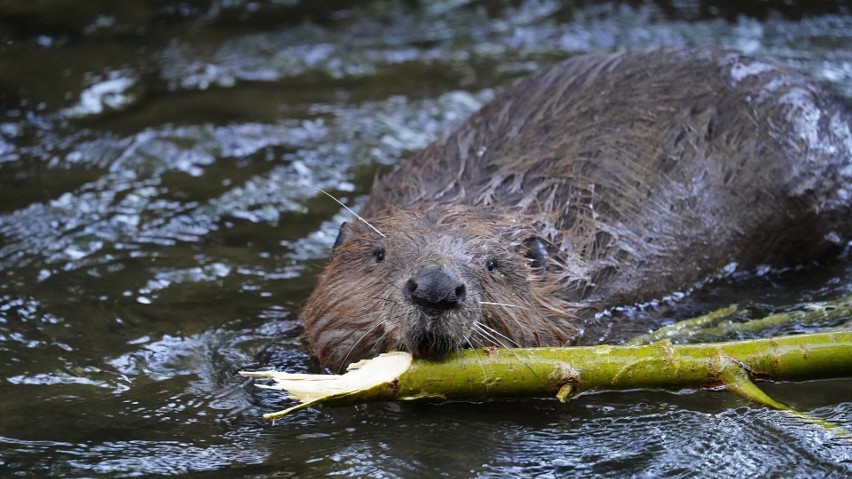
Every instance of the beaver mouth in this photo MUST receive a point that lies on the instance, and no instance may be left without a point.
(431, 346)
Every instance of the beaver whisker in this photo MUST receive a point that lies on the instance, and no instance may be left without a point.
(474, 338)
(386, 300)
(500, 319)
(478, 358)
(484, 340)
(504, 304)
(481, 328)
(350, 210)
(363, 336)
(494, 336)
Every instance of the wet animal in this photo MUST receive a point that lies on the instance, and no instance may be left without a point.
(601, 181)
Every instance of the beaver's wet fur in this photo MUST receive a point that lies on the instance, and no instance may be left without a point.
(604, 180)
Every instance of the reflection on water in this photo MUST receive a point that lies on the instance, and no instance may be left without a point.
(160, 224)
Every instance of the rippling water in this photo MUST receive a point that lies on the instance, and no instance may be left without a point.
(160, 225)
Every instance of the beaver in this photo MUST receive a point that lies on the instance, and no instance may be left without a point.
(602, 181)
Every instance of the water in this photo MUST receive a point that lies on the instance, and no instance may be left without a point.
(159, 226)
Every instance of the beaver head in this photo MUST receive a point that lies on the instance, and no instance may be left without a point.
(432, 282)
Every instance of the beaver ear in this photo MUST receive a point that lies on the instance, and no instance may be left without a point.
(345, 232)
(537, 253)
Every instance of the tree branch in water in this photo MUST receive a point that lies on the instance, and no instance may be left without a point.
(568, 371)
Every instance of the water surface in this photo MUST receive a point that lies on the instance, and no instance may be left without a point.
(160, 225)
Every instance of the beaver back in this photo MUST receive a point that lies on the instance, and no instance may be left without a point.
(647, 172)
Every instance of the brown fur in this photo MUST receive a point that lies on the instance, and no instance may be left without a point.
(638, 174)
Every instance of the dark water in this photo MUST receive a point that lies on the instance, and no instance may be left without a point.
(159, 227)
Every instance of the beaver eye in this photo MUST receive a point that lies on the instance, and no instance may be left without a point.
(491, 264)
(379, 254)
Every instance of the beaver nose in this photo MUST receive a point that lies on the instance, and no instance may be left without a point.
(435, 290)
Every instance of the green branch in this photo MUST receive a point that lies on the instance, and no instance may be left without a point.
(715, 326)
(566, 372)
